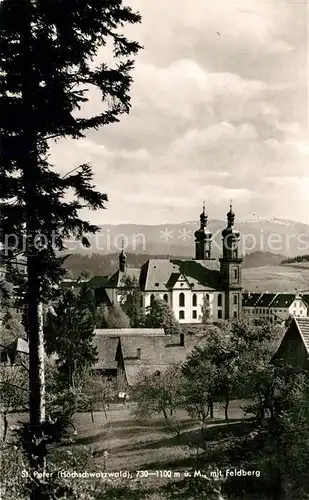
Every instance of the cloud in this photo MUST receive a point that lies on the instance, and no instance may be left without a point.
(218, 111)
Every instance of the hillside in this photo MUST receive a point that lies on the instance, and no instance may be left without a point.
(277, 236)
(102, 265)
(275, 279)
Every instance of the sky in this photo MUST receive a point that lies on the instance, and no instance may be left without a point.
(219, 112)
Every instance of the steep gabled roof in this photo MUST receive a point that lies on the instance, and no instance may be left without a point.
(250, 299)
(106, 347)
(303, 328)
(98, 281)
(117, 280)
(266, 300)
(162, 274)
(156, 353)
(283, 300)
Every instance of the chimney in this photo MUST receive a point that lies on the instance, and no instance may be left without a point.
(182, 339)
(138, 353)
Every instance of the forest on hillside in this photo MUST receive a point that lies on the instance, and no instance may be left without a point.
(90, 265)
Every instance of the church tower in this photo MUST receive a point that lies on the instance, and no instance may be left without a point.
(230, 268)
(122, 260)
(203, 239)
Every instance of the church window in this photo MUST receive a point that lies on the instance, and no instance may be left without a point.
(235, 274)
(194, 300)
(152, 297)
(194, 314)
(181, 315)
(235, 299)
(220, 300)
(219, 314)
(165, 297)
(235, 314)
(181, 300)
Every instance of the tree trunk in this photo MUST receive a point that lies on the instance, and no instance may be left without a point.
(104, 409)
(165, 415)
(5, 426)
(29, 165)
(92, 417)
(226, 406)
(211, 408)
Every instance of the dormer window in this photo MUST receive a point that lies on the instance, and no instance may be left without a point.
(157, 284)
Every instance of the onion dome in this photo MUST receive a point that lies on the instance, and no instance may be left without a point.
(203, 233)
(230, 230)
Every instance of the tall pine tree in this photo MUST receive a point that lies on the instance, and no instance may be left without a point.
(47, 64)
(69, 333)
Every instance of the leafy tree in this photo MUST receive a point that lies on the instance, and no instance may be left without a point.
(112, 317)
(205, 311)
(97, 393)
(69, 333)
(12, 327)
(285, 456)
(161, 315)
(132, 302)
(159, 393)
(14, 393)
(47, 65)
(199, 384)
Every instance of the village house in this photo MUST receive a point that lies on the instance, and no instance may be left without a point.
(126, 353)
(188, 284)
(276, 307)
(294, 347)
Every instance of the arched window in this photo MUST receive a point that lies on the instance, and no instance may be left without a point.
(220, 300)
(152, 298)
(165, 297)
(181, 315)
(181, 300)
(194, 300)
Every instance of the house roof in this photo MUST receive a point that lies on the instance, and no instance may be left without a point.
(98, 281)
(156, 353)
(117, 332)
(305, 298)
(106, 347)
(19, 345)
(250, 299)
(118, 278)
(265, 300)
(283, 300)
(162, 274)
(303, 328)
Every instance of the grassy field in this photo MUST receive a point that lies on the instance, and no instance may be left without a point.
(284, 278)
(134, 445)
(143, 445)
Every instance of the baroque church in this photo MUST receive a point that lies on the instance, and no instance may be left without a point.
(189, 284)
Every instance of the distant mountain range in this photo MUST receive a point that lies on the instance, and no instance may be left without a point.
(277, 236)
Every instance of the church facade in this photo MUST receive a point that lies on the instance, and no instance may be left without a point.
(190, 286)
